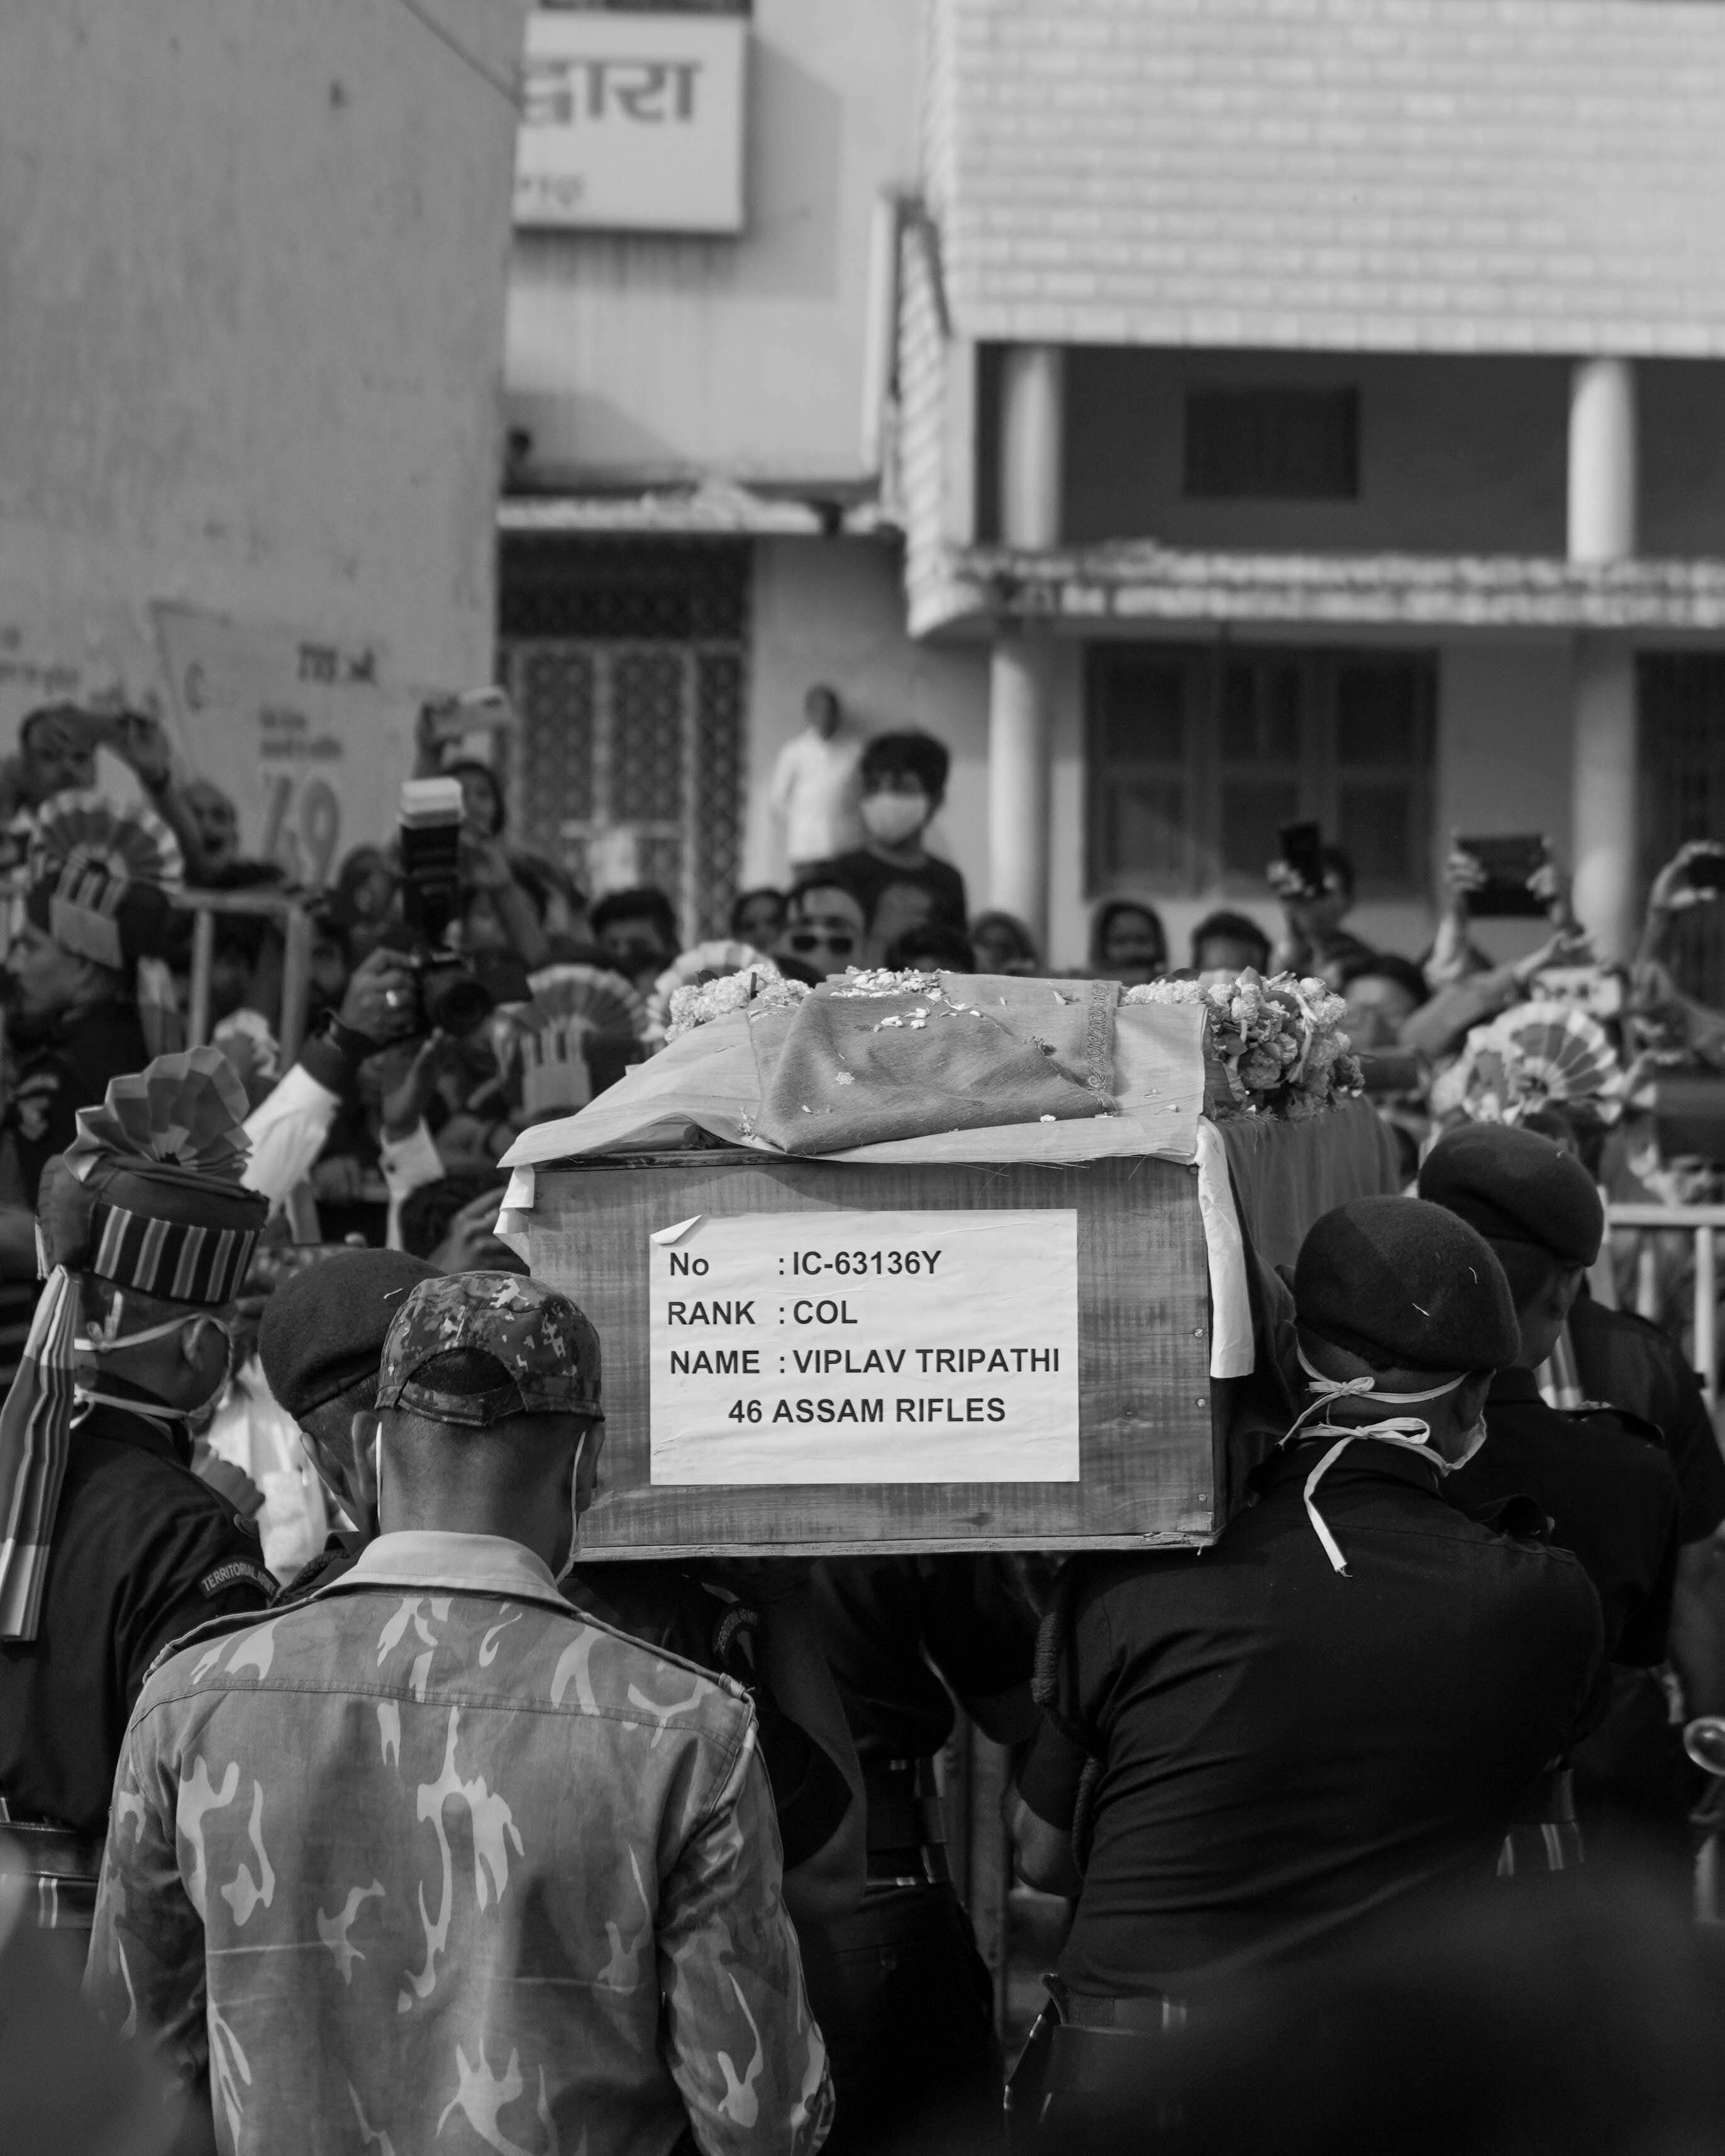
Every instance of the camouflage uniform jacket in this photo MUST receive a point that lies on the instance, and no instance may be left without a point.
(432, 1860)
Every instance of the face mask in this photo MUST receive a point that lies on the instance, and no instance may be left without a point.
(893, 817)
(568, 1563)
(1470, 1444)
(110, 1342)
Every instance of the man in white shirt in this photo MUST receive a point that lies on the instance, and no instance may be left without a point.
(814, 788)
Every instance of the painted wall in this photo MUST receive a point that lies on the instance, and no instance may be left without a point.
(1465, 455)
(251, 305)
(639, 359)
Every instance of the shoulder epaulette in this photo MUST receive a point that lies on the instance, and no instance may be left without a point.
(213, 1628)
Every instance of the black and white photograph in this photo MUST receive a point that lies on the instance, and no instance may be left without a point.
(862, 1077)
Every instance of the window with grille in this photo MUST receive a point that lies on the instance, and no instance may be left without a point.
(1272, 444)
(625, 659)
(1198, 756)
(1681, 695)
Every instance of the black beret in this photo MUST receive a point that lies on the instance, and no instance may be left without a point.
(324, 1329)
(1517, 1187)
(1405, 1286)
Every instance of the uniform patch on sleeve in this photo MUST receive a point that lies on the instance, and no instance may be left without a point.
(238, 1572)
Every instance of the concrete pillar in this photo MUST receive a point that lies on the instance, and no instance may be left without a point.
(1602, 489)
(1032, 386)
(1603, 812)
(1602, 483)
(1022, 671)
(1020, 781)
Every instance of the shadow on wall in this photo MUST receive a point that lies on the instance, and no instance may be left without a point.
(794, 135)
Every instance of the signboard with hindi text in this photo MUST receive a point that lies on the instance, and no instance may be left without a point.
(810, 1355)
(632, 122)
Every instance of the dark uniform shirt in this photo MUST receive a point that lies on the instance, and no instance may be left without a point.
(1610, 1495)
(143, 1551)
(884, 1621)
(1622, 1359)
(67, 1072)
(1282, 1749)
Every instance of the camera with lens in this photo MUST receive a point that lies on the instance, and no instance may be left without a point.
(451, 997)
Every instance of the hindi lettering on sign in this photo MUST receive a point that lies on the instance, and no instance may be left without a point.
(866, 1348)
(632, 121)
(648, 91)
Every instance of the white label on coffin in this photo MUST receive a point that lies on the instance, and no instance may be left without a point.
(866, 1347)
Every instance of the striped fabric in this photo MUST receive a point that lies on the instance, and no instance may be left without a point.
(35, 1431)
(183, 1262)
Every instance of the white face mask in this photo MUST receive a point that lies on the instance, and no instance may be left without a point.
(111, 1343)
(568, 1563)
(1472, 1442)
(893, 817)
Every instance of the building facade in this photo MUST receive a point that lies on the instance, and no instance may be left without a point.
(1200, 416)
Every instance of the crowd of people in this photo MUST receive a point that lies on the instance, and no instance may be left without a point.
(384, 1818)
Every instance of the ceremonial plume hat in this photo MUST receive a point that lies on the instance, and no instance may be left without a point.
(147, 1197)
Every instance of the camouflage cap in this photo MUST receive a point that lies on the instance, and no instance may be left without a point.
(547, 1347)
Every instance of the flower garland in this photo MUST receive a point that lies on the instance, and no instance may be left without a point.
(1278, 1042)
(752, 990)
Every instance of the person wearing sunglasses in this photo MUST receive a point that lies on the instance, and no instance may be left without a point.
(825, 928)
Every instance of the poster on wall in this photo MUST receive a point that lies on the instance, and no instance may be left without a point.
(302, 731)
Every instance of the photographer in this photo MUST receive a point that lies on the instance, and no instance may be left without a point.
(1312, 939)
(288, 1130)
(1454, 955)
(1467, 989)
(1687, 880)
(1666, 1019)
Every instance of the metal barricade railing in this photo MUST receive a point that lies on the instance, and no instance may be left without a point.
(294, 916)
(1703, 1223)
(292, 912)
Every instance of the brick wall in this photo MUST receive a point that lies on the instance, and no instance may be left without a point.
(1538, 176)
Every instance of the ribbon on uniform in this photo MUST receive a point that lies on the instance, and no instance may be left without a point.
(35, 1439)
(1408, 1431)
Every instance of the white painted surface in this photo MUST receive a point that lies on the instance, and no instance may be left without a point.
(250, 313)
(638, 357)
(1604, 478)
(832, 610)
